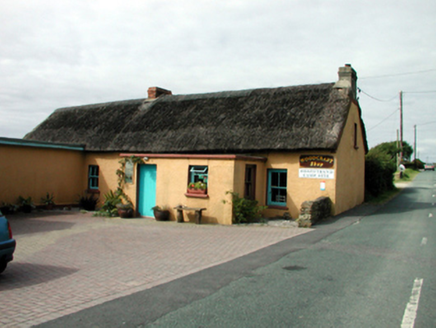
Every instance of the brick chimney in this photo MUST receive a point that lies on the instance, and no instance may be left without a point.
(154, 92)
(347, 80)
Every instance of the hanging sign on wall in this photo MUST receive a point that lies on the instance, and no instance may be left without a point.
(317, 161)
(316, 173)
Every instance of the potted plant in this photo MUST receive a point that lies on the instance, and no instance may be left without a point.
(8, 208)
(88, 202)
(48, 201)
(161, 214)
(198, 187)
(125, 211)
(26, 204)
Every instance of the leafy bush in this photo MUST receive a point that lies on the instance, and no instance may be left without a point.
(245, 210)
(8, 208)
(88, 203)
(111, 200)
(25, 204)
(379, 173)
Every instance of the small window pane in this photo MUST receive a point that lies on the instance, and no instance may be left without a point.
(128, 172)
(283, 179)
(198, 174)
(93, 177)
(274, 179)
(277, 187)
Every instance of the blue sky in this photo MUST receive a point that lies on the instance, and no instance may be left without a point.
(72, 52)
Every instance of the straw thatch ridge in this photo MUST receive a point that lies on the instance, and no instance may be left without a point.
(286, 118)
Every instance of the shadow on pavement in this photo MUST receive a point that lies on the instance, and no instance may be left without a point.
(19, 275)
(34, 222)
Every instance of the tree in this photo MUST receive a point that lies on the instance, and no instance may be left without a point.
(391, 149)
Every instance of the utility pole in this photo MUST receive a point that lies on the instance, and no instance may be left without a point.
(414, 146)
(398, 146)
(401, 126)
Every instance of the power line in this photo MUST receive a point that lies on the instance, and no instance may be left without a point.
(360, 90)
(431, 91)
(382, 120)
(426, 123)
(398, 74)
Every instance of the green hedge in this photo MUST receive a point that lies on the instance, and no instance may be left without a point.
(379, 174)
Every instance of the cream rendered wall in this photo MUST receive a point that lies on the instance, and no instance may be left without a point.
(172, 181)
(32, 171)
(350, 180)
(299, 189)
(108, 165)
(239, 183)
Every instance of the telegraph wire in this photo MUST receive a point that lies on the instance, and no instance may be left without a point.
(360, 90)
(383, 120)
(426, 123)
(430, 91)
(398, 74)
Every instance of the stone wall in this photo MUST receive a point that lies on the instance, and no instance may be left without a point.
(314, 211)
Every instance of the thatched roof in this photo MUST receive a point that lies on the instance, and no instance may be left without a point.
(287, 118)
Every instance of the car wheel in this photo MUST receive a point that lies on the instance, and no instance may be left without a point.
(3, 265)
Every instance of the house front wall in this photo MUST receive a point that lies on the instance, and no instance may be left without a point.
(298, 189)
(350, 180)
(172, 177)
(346, 188)
(32, 171)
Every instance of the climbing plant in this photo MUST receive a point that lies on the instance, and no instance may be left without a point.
(121, 173)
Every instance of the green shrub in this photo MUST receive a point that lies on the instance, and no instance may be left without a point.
(245, 210)
(379, 174)
(88, 203)
(111, 200)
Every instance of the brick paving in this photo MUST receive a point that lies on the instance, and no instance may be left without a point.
(69, 261)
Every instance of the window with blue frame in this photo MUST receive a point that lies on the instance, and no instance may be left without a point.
(198, 173)
(93, 177)
(277, 187)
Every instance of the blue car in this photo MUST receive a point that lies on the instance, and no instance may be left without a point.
(7, 243)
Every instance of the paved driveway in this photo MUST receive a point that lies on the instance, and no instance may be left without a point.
(69, 261)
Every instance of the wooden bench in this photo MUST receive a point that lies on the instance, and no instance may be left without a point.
(197, 210)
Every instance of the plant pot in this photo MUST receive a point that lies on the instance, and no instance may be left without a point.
(196, 191)
(5, 210)
(26, 208)
(161, 215)
(125, 213)
(49, 207)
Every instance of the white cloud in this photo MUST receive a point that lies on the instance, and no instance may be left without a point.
(56, 54)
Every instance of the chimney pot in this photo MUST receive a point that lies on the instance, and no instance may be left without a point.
(155, 92)
(347, 80)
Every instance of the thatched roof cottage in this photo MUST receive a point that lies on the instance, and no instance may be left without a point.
(280, 146)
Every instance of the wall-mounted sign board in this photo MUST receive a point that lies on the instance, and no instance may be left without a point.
(317, 161)
(316, 173)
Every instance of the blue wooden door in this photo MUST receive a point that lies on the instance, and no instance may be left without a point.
(146, 189)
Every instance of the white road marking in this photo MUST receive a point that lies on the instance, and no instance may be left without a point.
(424, 241)
(412, 307)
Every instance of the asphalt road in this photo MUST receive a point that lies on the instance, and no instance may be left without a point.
(354, 271)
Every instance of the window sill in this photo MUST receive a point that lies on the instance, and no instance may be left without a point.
(93, 191)
(275, 207)
(196, 195)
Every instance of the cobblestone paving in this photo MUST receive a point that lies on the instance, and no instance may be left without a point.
(68, 261)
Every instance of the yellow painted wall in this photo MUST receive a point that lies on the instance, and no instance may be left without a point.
(351, 165)
(299, 189)
(33, 171)
(172, 182)
(108, 165)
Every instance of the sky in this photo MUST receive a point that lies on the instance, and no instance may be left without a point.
(65, 53)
